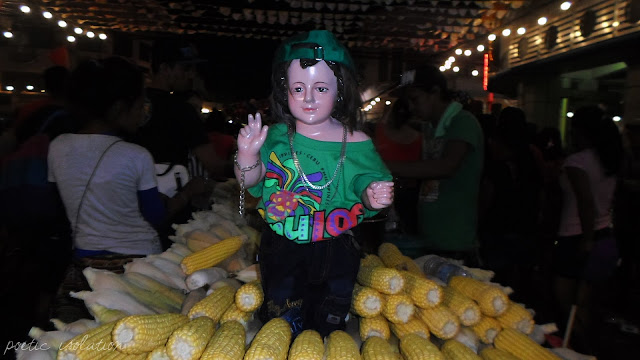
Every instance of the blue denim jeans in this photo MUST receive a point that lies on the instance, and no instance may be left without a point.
(316, 279)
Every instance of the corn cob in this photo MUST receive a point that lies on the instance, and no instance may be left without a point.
(341, 346)
(487, 329)
(390, 255)
(250, 296)
(385, 280)
(227, 343)
(517, 317)
(199, 239)
(415, 347)
(413, 326)
(235, 314)
(455, 350)
(398, 308)
(441, 321)
(491, 299)
(365, 301)
(411, 267)
(88, 345)
(117, 355)
(271, 342)
(521, 346)
(492, 353)
(214, 305)
(137, 334)
(159, 353)
(374, 326)
(212, 255)
(466, 309)
(189, 341)
(376, 348)
(424, 292)
(371, 260)
(307, 346)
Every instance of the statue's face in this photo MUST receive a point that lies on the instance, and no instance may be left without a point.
(312, 92)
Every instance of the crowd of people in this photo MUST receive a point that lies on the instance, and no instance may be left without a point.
(117, 166)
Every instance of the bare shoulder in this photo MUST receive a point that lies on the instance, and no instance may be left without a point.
(358, 136)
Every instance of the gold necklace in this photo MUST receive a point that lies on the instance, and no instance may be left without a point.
(296, 162)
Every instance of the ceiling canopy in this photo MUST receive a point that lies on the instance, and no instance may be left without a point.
(425, 27)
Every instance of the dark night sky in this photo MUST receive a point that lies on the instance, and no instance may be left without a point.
(238, 68)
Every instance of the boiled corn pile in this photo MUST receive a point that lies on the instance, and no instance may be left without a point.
(374, 326)
(138, 334)
(491, 299)
(455, 350)
(521, 346)
(307, 346)
(413, 326)
(487, 329)
(376, 348)
(235, 314)
(271, 342)
(466, 309)
(365, 301)
(214, 305)
(341, 346)
(424, 292)
(385, 280)
(211, 255)
(398, 308)
(492, 353)
(517, 317)
(441, 321)
(249, 297)
(227, 343)
(89, 345)
(390, 255)
(189, 341)
(414, 347)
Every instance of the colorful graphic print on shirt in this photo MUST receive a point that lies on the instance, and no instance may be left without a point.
(293, 211)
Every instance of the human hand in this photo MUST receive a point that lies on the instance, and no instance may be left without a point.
(252, 137)
(379, 194)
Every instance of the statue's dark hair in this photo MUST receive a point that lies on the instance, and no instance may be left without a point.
(346, 109)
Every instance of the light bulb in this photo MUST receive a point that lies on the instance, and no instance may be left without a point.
(77, 31)
(492, 37)
(456, 69)
(62, 23)
(7, 34)
(71, 38)
(9, 88)
(506, 32)
(442, 68)
(467, 52)
(90, 34)
(480, 48)
(565, 5)
(47, 15)
(522, 31)
(458, 51)
(29, 87)
(102, 37)
(542, 21)
(475, 72)
(25, 9)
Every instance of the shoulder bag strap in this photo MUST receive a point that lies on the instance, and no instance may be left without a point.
(75, 229)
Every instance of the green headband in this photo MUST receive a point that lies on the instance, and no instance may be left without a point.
(315, 44)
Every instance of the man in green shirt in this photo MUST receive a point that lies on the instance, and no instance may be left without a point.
(451, 167)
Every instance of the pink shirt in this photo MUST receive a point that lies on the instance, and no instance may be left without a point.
(602, 187)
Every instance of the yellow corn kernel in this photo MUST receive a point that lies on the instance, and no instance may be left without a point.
(521, 346)
(466, 309)
(491, 299)
(371, 260)
(415, 347)
(441, 321)
(307, 346)
(159, 353)
(413, 326)
(211, 255)
(390, 255)
(487, 329)
(138, 334)
(341, 346)
(250, 296)
(271, 342)
(365, 301)
(118, 355)
(491, 353)
(411, 267)
(374, 326)
(376, 348)
(189, 341)
(424, 292)
(385, 280)
(88, 345)
(235, 314)
(214, 305)
(517, 317)
(227, 343)
(455, 350)
(398, 308)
